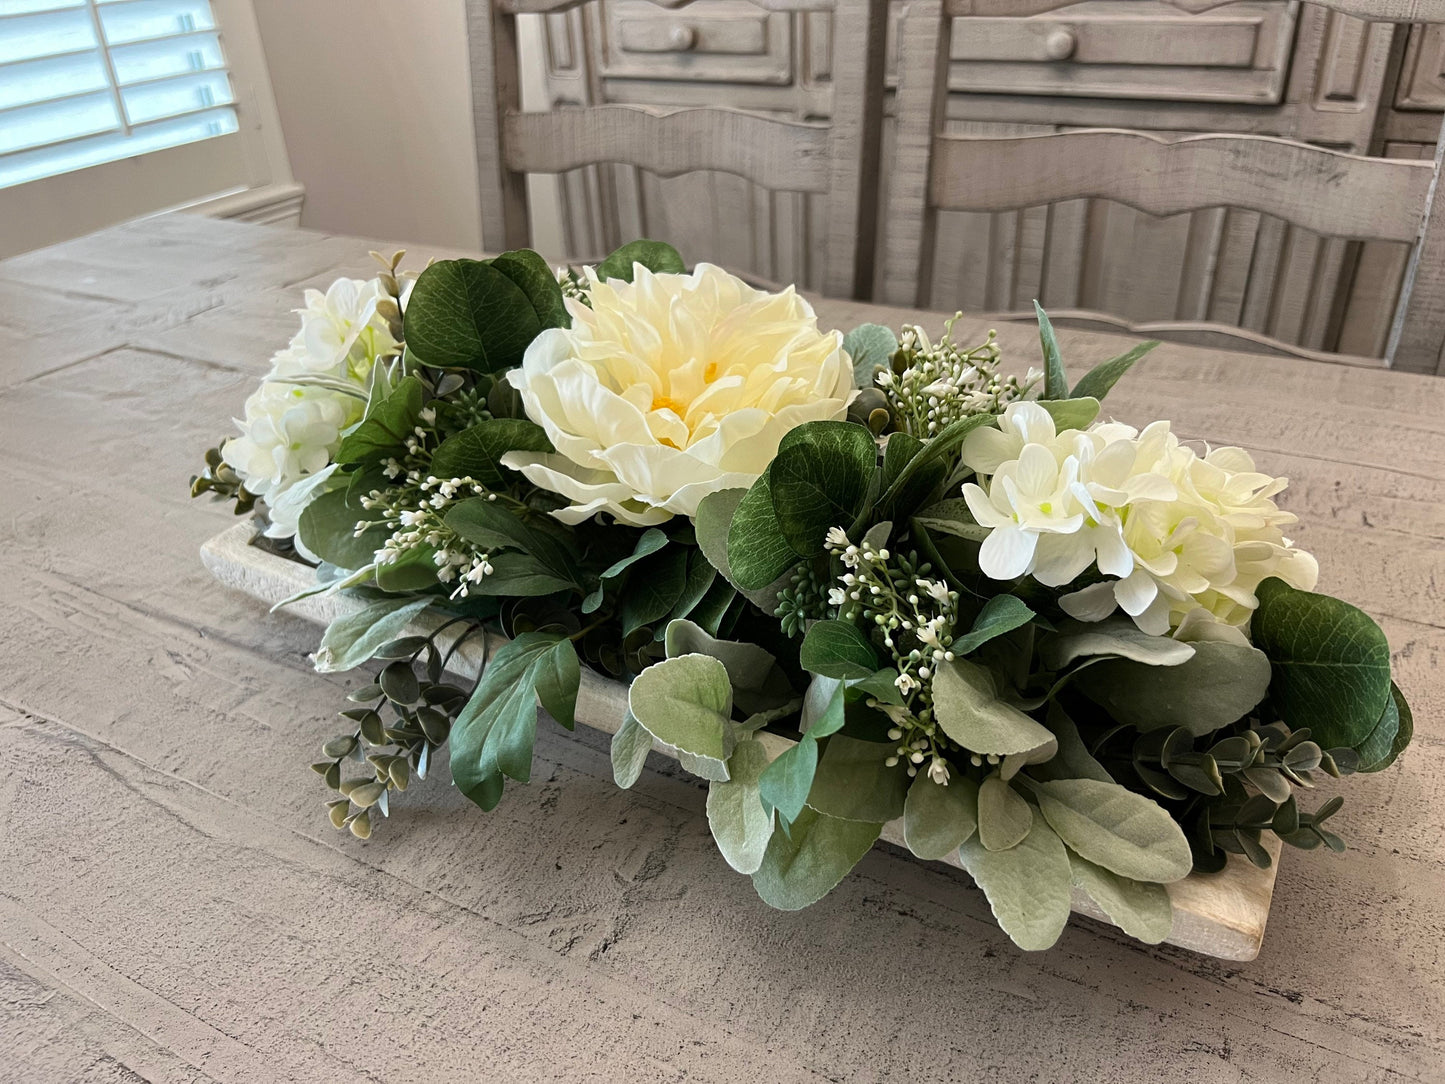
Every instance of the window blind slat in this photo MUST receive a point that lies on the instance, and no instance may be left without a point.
(47, 161)
(89, 81)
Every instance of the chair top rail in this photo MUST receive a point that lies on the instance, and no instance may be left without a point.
(549, 7)
(1390, 11)
(781, 155)
(1327, 192)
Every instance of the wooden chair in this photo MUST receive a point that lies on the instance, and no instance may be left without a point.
(1332, 193)
(838, 160)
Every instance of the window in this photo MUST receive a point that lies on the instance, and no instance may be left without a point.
(112, 108)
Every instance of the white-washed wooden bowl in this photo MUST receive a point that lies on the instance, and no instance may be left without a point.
(1221, 914)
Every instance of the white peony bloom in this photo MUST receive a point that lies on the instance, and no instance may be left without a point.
(672, 387)
(289, 431)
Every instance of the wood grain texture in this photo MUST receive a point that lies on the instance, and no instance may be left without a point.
(1221, 915)
(176, 908)
(1328, 192)
(773, 153)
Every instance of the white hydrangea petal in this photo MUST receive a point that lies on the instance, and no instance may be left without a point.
(1092, 603)
(1007, 552)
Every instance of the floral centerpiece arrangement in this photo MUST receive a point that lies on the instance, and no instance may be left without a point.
(1073, 653)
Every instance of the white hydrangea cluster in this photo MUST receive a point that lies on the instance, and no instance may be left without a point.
(315, 390)
(1172, 531)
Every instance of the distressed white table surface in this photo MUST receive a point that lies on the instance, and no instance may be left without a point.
(175, 907)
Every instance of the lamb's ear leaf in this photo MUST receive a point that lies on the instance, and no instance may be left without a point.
(804, 864)
(657, 256)
(685, 702)
(936, 818)
(1056, 382)
(740, 824)
(630, 746)
(1116, 828)
(1100, 380)
(1027, 885)
(1139, 908)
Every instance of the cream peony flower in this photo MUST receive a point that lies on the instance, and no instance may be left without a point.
(672, 387)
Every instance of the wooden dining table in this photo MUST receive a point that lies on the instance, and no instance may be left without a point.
(175, 906)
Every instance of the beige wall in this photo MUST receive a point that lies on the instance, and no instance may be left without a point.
(375, 105)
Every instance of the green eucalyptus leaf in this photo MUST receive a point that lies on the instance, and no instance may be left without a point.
(1376, 747)
(1404, 730)
(657, 256)
(712, 526)
(871, 346)
(1056, 381)
(803, 865)
(823, 707)
(1139, 908)
(938, 818)
(969, 711)
(1116, 828)
(1003, 815)
(1100, 380)
(758, 552)
(853, 783)
(740, 825)
(630, 746)
(1216, 687)
(1000, 614)
(838, 649)
(467, 314)
(328, 529)
(477, 452)
(1331, 662)
(685, 702)
(1028, 885)
(386, 425)
(353, 638)
(819, 479)
(535, 279)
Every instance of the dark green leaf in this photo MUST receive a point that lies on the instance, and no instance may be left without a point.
(1404, 731)
(467, 314)
(534, 278)
(758, 553)
(519, 575)
(656, 256)
(941, 448)
(476, 452)
(489, 524)
(653, 589)
(386, 425)
(1331, 663)
(651, 541)
(328, 529)
(1071, 413)
(838, 649)
(414, 570)
(1099, 380)
(494, 734)
(819, 480)
(700, 578)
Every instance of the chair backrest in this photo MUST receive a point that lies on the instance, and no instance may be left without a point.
(837, 160)
(1329, 192)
